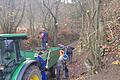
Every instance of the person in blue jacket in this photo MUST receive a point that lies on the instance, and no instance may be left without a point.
(42, 68)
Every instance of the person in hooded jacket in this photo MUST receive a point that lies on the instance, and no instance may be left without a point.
(70, 53)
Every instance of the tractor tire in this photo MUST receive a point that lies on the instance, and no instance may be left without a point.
(32, 73)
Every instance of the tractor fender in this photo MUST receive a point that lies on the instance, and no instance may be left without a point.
(19, 72)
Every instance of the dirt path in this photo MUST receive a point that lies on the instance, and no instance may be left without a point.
(77, 67)
(111, 72)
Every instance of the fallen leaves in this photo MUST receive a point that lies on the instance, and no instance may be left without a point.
(79, 78)
(78, 48)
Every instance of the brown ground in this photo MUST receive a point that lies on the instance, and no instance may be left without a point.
(110, 72)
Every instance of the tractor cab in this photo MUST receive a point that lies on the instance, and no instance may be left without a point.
(10, 51)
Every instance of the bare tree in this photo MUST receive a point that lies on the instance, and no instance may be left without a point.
(54, 15)
(31, 18)
(11, 15)
(90, 31)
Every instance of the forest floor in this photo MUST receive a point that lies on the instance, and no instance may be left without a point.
(110, 72)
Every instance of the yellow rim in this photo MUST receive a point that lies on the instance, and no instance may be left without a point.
(34, 77)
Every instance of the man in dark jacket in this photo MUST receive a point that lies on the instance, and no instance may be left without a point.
(69, 53)
(44, 37)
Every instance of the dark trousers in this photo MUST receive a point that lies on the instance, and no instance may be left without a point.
(58, 72)
(70, 58)
(65, 71)
(43, 46)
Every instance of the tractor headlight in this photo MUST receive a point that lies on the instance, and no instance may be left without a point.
(1, 67)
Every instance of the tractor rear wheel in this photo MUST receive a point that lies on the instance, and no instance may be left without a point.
(32, 73)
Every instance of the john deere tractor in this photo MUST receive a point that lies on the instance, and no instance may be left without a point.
(18, 64)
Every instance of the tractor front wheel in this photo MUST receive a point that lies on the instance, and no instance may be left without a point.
(32, 73)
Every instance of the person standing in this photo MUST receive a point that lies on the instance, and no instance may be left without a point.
(70, 53)
(62, 65)
(43, 64)
(44, 37)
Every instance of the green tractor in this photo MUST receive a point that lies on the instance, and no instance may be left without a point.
(18, 64)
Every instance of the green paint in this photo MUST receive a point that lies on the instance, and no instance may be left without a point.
(12, 35)
(54, 48)
(24, 54)
(54, 55)
(30, 54)
(17, 71)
